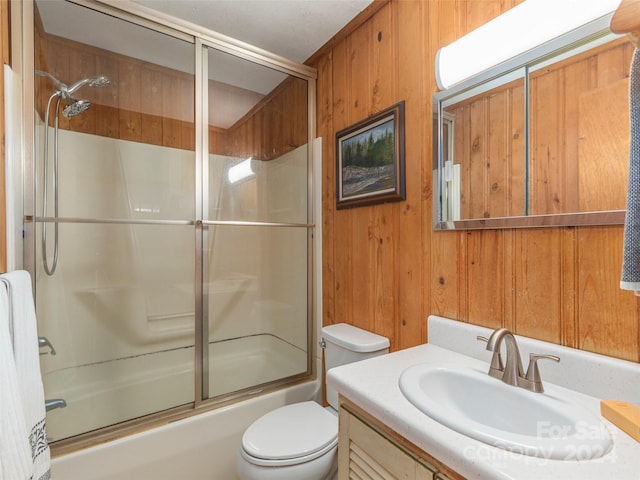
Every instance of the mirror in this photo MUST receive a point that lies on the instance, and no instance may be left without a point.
(543, 144)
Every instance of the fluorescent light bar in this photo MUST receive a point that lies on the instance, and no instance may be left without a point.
(518, 30)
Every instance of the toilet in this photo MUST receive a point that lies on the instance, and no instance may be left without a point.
(300, 441)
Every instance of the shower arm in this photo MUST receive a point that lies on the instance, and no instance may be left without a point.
(61, 87)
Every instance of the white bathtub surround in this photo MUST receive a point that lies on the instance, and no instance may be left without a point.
(583, 377)
(120, 309)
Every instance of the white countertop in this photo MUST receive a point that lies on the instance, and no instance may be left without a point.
(373, 385)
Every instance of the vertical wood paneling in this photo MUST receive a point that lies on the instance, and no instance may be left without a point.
(152, 105)
(485, 278)
(325, 109)
(343, 245)
(107, 118)
(409, 35)
(129, 95)
(360, 88)
(607, 316)
(538, 283)
(560, 285)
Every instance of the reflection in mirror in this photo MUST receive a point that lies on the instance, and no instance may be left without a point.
(579, 148)
(485, 178)
(543, 145)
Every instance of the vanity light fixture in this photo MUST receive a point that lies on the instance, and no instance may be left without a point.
(506, 40)
(241, 171)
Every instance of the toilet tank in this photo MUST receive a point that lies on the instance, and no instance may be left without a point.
(345, 344)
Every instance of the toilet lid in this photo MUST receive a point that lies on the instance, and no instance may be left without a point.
(292, 431)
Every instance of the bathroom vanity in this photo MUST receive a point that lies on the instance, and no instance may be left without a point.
(372, 450)
(382, 433)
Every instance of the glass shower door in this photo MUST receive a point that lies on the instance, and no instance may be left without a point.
(170, 250)
(114, 250)
(256, 232)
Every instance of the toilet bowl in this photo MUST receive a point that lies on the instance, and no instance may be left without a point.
(300, 441)
(275, 447)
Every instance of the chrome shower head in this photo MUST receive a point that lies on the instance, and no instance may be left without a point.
(67, 91)
(100, 81)
(75, 107)
(96, 82)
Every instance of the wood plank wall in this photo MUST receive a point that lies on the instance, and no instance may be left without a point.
(153, 104)
(386, 270)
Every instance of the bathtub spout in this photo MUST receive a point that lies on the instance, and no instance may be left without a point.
(54, 403)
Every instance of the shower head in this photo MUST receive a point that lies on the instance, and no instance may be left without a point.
(96, 82)
(75, 107)
(67, 91)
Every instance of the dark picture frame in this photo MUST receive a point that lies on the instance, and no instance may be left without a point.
(370, 160)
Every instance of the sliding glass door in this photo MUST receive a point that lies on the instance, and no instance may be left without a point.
(167, 220)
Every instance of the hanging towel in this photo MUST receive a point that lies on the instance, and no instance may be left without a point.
(22, 318)
(15, 451)
(631, 251)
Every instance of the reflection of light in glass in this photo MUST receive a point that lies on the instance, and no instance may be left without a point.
(240, 171)
(146, 210)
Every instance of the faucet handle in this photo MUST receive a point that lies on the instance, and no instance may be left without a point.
(497, 367)
(534, 382)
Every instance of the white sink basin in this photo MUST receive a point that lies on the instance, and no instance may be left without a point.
(471, 402)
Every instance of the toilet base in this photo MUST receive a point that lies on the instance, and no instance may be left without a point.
(321, 468)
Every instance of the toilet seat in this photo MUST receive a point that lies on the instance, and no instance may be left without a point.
(290, 435)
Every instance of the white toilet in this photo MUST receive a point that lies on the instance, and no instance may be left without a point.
(300, 441)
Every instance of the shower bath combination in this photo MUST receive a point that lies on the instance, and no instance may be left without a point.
(74, 106)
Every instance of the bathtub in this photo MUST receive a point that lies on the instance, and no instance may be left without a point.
(110, 392)
(201, 447)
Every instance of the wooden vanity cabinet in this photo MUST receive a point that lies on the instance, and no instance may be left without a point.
(369, 450)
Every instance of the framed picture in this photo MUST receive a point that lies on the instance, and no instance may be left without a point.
(370, 160)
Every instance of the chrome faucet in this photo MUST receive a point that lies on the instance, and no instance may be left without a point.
(44, 342)
(54, 403)
(513, 366)
(512, 372)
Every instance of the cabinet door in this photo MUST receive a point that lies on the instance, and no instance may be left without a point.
(365, 454)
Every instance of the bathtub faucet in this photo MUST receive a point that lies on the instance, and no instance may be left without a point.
(54, 403)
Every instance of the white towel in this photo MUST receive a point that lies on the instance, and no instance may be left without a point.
(27, 361)
(15, 451)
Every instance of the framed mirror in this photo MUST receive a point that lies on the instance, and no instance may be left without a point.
(540, 143)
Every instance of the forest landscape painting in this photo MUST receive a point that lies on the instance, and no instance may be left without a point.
(370, 160)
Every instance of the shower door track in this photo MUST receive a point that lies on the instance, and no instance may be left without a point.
(126, 221)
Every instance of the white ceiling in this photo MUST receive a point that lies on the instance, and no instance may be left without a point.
(294, 29)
